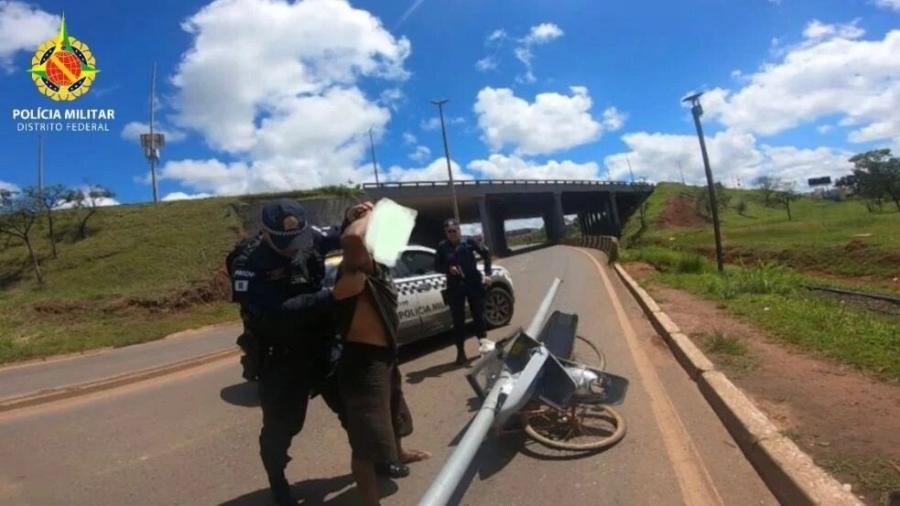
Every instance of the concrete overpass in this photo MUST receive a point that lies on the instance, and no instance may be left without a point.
(601, 206)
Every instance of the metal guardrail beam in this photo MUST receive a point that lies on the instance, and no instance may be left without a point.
(497, 182)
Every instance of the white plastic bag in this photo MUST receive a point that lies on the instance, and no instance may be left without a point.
(388, 232)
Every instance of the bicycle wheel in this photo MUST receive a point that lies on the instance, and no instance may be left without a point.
(583, 427)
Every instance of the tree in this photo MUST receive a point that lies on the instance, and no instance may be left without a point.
(85, 202)
(701, 200)
(784, 195)
(876, 175)
(18, 213)
(741, 207)
(50, 197)
(767, 185)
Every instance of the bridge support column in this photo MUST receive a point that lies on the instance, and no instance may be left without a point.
(492, 227)
(617, 224)
(556, 228)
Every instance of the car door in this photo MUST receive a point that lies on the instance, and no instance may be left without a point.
(407, 303)
(428, 284)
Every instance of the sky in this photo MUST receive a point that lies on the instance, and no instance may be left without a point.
(271, 95)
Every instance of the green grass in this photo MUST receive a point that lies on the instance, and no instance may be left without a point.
(728, 351)
(772, 298)
(841, 239)
(144, 272)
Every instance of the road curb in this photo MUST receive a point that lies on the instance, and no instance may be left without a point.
(69, 391)
(788, 471)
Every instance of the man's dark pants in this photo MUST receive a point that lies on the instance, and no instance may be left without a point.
(284, 388)
(458, 296)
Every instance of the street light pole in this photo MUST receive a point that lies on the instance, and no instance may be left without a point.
(153, 141)
(440, 103)
(697, 111)
(374, 163)
(40, 166)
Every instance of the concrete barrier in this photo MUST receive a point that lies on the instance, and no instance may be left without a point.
(790, 474)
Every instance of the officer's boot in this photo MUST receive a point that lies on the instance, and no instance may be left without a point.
(275, 461)
(461, 354)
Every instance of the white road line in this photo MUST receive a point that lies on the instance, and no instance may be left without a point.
(693, 478)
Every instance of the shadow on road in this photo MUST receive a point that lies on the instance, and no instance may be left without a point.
(244, 394)
(316, 491)
(435, 371)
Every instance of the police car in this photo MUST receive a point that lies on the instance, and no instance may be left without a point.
(421, 307)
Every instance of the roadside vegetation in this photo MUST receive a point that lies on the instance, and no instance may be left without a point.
(127, 274)
(772, 257)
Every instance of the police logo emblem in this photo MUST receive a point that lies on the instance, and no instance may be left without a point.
(63, 68)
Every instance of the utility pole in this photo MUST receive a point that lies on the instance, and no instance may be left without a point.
(697, 111)
(40, 165)
(374, 163)
(629, 168)
(681, 170)
(440, 103)
(153, 141)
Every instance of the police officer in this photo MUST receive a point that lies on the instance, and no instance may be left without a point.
(278, 281)
(456, 258)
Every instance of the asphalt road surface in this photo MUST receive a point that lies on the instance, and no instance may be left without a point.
(191, 438)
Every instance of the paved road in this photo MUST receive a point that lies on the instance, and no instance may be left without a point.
(190, 438)
(34, 377)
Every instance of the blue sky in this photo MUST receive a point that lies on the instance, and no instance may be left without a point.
(263, 95)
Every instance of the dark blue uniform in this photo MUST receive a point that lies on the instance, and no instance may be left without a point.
(469, 286)
(290, 316)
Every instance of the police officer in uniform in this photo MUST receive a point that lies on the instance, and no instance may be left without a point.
(287, 313)
(456, 259)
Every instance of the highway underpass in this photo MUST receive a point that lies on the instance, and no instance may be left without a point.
(601, 206)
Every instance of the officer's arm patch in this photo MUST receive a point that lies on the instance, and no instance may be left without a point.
(241, 285)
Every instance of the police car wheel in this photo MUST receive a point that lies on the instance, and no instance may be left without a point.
(498, 307)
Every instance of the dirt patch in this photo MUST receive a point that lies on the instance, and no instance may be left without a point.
(216, 289)
(680, 212)
(846, 420)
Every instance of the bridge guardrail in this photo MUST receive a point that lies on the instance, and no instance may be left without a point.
(605, 243)
(502, 182)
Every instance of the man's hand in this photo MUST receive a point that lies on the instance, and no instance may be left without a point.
(454, 271)
(358, 211)
(351, 284)
(488, 281)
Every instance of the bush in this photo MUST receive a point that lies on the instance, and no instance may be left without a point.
(671, 261)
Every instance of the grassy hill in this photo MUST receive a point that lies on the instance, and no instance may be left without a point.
(839, 240)
(770, 260)
(144, 272)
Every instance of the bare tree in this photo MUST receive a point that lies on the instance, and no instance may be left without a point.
(49, 198)
(85, 202)
(18, 214)
(767, 185)
(785, 194)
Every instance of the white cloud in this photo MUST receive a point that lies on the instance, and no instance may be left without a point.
(513, 167)
(392, 97)
(816, 29)
(832, 73)
(434, 171)
(434, 123)
(409, 138)
(824, 129)
(733, 154)
(486, 64)
(9, 187)
(23, 27)
(132, 132)
(306, 128)
(613, 119)
(542, 34)
(420, 154)
(185, 196)
(894, 5)
(99, 202)
(551, 123)
(496, 36)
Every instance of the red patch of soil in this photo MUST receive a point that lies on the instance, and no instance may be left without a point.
(680, 212)
(833, 412)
